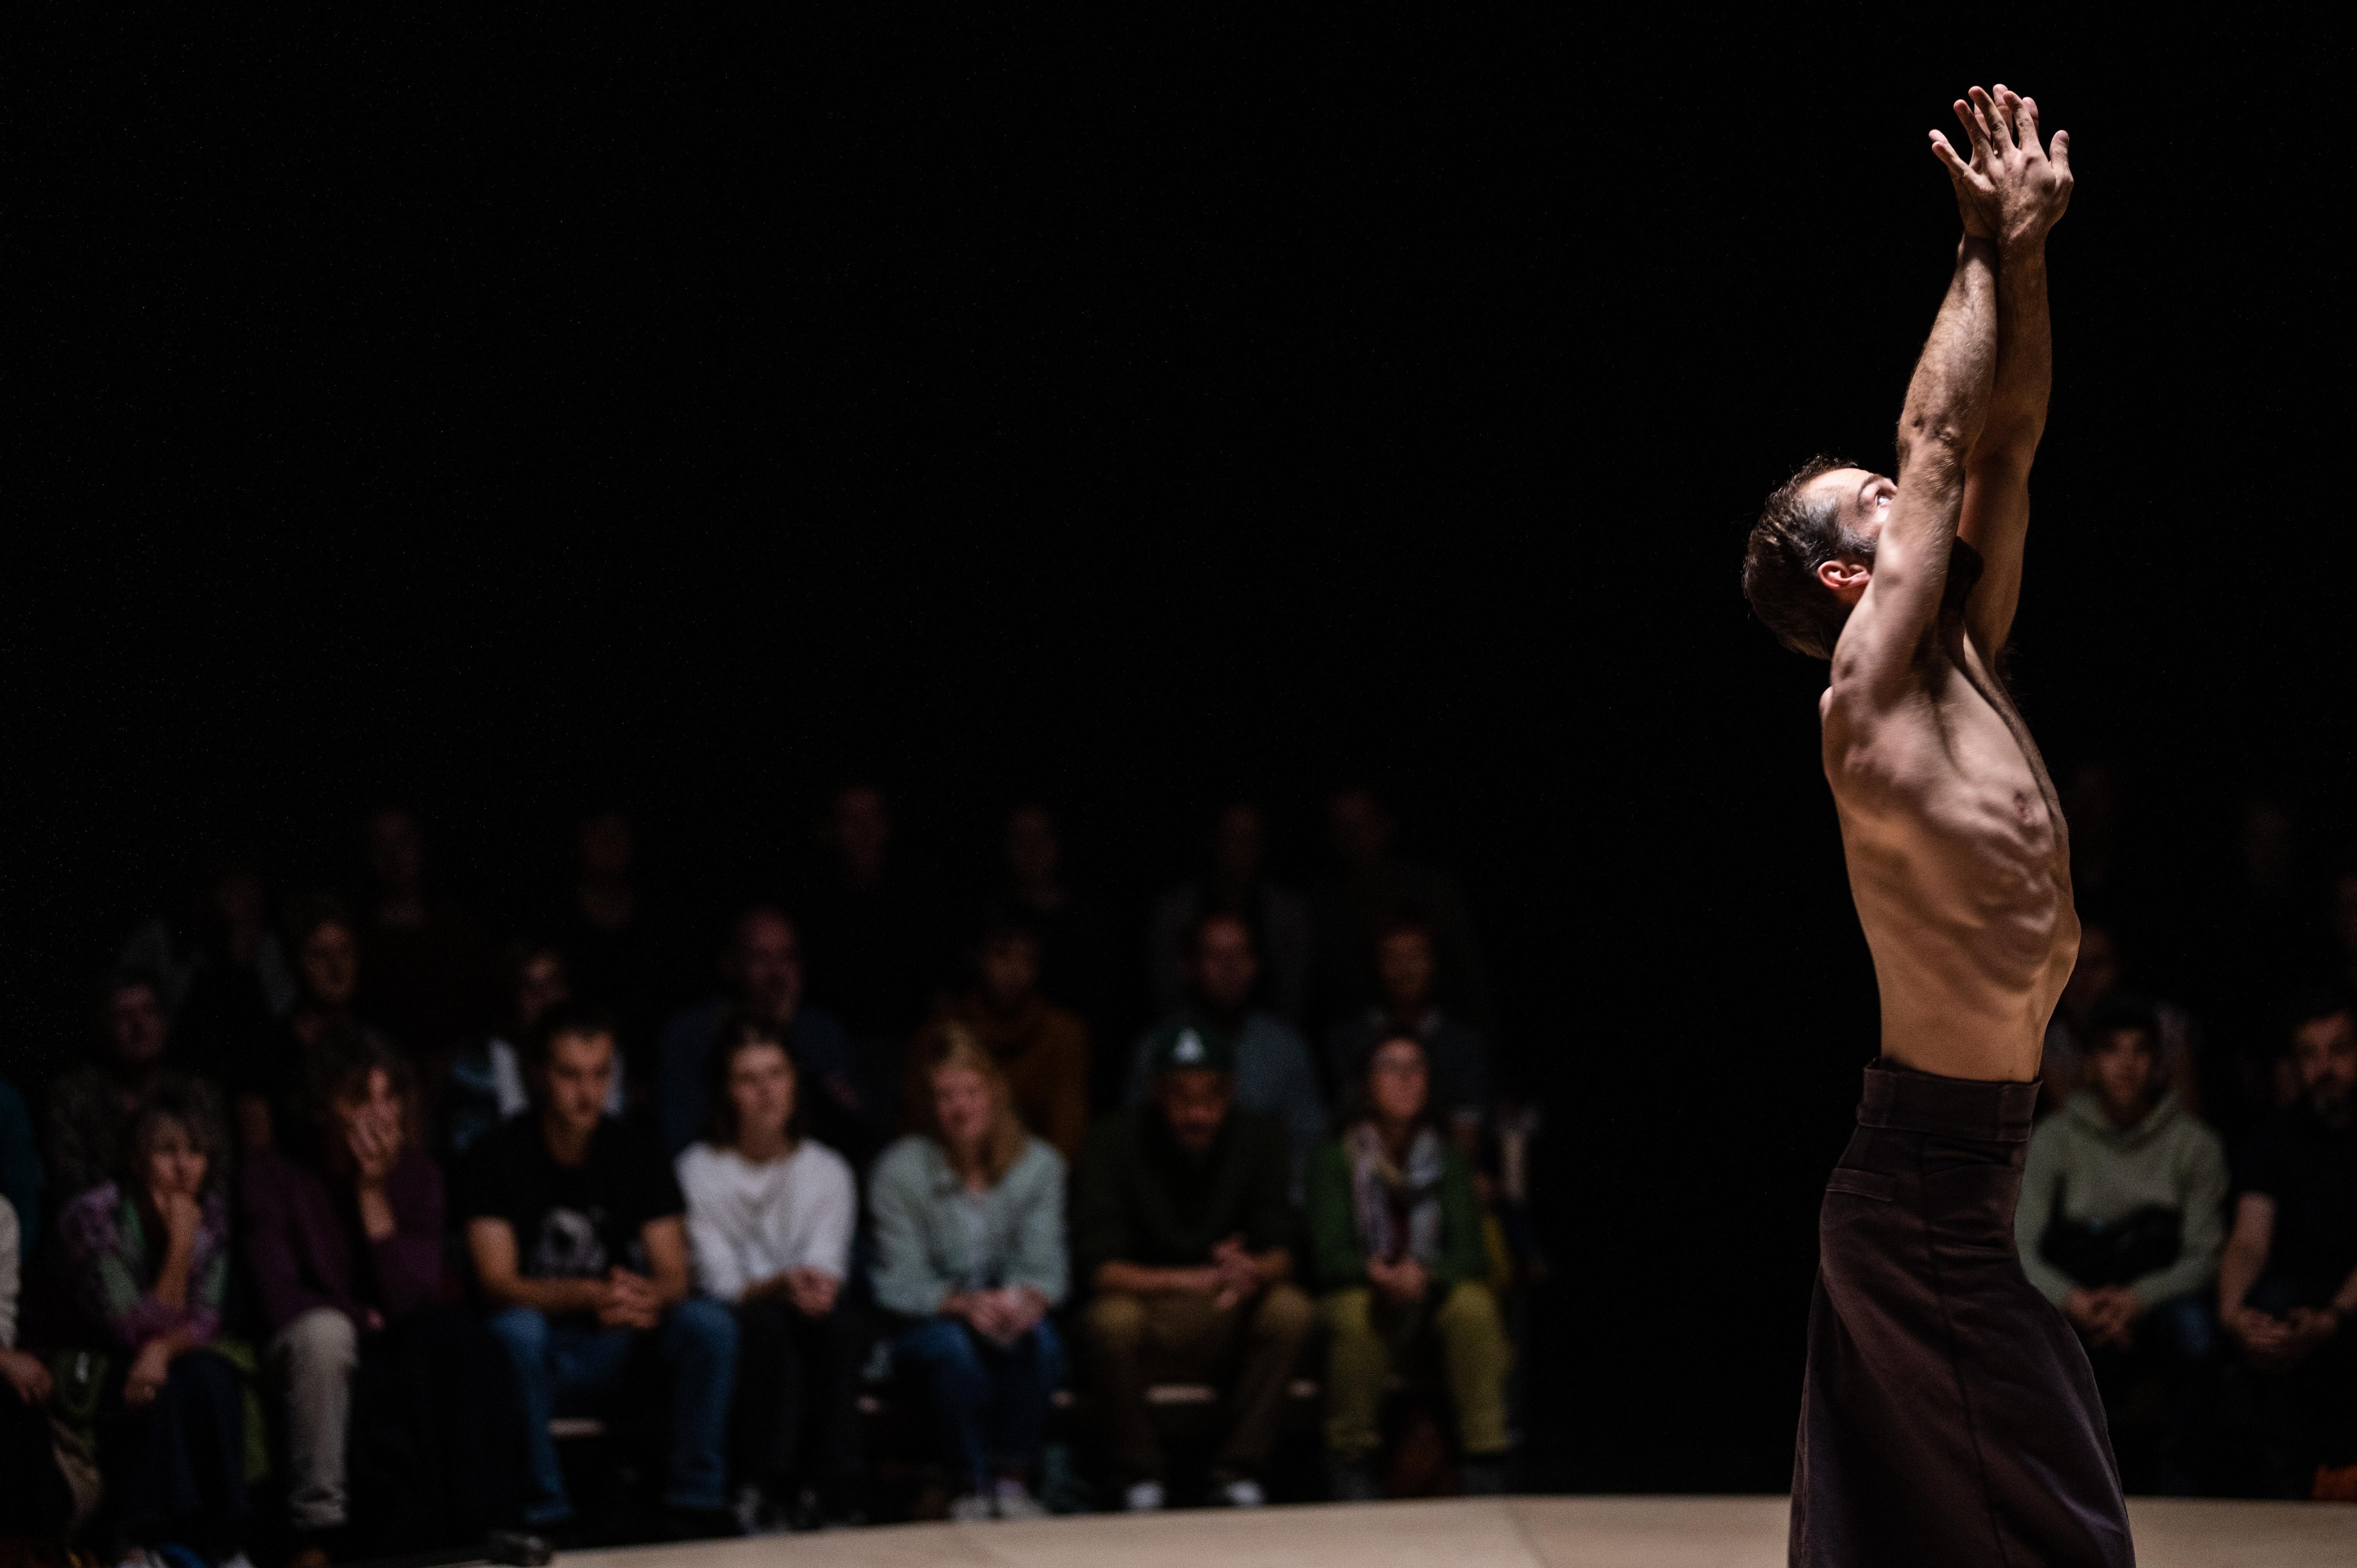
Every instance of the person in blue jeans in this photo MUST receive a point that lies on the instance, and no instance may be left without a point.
(969, 1257)
(575, 1224)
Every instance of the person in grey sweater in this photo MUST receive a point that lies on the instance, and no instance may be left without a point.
(2121, 1225)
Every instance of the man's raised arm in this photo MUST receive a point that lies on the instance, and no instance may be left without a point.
(2034, 189)
(1946, 402)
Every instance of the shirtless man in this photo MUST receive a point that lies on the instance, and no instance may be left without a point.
(1948, 1415)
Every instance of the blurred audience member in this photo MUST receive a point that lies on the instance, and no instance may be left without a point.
(2097, 975)
(969, 1225)
(1232, 883)
(147, 1258)
(20, 1166)
(2122, 1219)
(872, 921)
(1373, 890)
(327, 969)
(90, 1106)
(762, 968)
(1275, 1075)
(241, 985)
(487, 1084)
(1395, 1236)
(574, 1227)
(612, 948)
(1075, 954)
(2287, 1286)
(1406, 966)
(343, 1238)
(770, 1218)
(1182, 1230)
(426, 978)
(38, 1503)
(1042, 1048)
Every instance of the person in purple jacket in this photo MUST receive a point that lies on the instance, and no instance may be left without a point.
(344, 1236)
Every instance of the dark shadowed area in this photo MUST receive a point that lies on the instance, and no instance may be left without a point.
(508, 414)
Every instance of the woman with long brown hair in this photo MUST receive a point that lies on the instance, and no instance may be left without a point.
(969, 1222)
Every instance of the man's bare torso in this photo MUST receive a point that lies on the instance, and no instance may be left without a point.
(1960, 863)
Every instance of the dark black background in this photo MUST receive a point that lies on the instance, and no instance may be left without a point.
(502, 412)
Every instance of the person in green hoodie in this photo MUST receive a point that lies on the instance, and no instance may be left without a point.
(1395, 1235)
(2121, 1225)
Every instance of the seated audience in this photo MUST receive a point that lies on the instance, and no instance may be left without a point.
(91, 1107)
(1231, 883)
(1457, 1056)
(343, 1238)
(2288, 1284)
(1395, 1236)
(763, 968)
(2096, 976)
(969, 1226)
(146, 1259)
(1042, 1048)
(1274, 1073)
(574, 1224)
(770, 1218)
(1375, 888)
(487, 1083)
(37, 1503)
(2121, 1223)
(1182, 1230)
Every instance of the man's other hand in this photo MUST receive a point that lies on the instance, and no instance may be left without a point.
(2011, 190)
(629, 1302)
(26, 1375)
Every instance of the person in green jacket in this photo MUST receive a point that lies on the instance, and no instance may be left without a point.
(1395, 1237)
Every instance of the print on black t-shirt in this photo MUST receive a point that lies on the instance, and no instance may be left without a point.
(571, 1223)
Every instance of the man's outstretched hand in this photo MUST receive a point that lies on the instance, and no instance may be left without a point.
(2011, 190)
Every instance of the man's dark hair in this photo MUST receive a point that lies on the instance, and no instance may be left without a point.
(2123, 1010)
(737, 1032)
(586, 1019)
(1795, 535)
(2309, 1004)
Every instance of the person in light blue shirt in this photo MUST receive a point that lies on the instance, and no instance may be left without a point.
(968, 1220)
(1274, 1074)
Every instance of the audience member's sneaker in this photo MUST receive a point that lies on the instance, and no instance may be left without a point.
(971, 1508)
(1145, 1497)
(1012, 1499)
(517, 1548)
(1240, 1495)
(1351, 1481)
(747, 1510)
(1481, 1477)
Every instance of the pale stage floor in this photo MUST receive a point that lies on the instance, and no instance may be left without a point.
(1485, 1533)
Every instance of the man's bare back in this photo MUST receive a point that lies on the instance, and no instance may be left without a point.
(1958, 855)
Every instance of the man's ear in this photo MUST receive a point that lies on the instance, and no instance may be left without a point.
(1847, 575)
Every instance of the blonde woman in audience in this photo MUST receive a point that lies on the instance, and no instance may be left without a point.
(970, 1256)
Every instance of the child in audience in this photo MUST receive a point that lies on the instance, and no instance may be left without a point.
(147, 1258)
(1395, 1234)
(969, 1222)
(770, 1218)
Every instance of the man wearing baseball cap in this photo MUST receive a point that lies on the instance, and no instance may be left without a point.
(1183, 1232)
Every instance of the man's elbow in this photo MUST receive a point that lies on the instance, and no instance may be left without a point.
(1931, 442)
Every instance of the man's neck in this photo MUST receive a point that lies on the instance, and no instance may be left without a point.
(1412, 1019)
(1228, 1020)
(566, 1144)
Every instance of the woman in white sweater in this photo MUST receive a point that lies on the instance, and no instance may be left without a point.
(770, 1219)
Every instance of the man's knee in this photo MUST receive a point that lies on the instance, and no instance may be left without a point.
(1283, 1314)
(1349, 1314)
(1469, 1305)
(524, 1332)
(700, 1326)
(943, 1345)
(1114, 1322)
(319, 1343)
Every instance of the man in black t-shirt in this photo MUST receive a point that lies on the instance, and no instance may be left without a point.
(575, 1224)
(2288, 1284)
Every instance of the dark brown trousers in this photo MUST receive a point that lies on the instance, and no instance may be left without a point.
(1949, 1419)
(1253, 1349)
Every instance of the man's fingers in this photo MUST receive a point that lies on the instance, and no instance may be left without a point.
(1999, 141)
(2062, 153)
(1946, 153)
(2025, 116)
(1975, 130)
(2008, 112)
